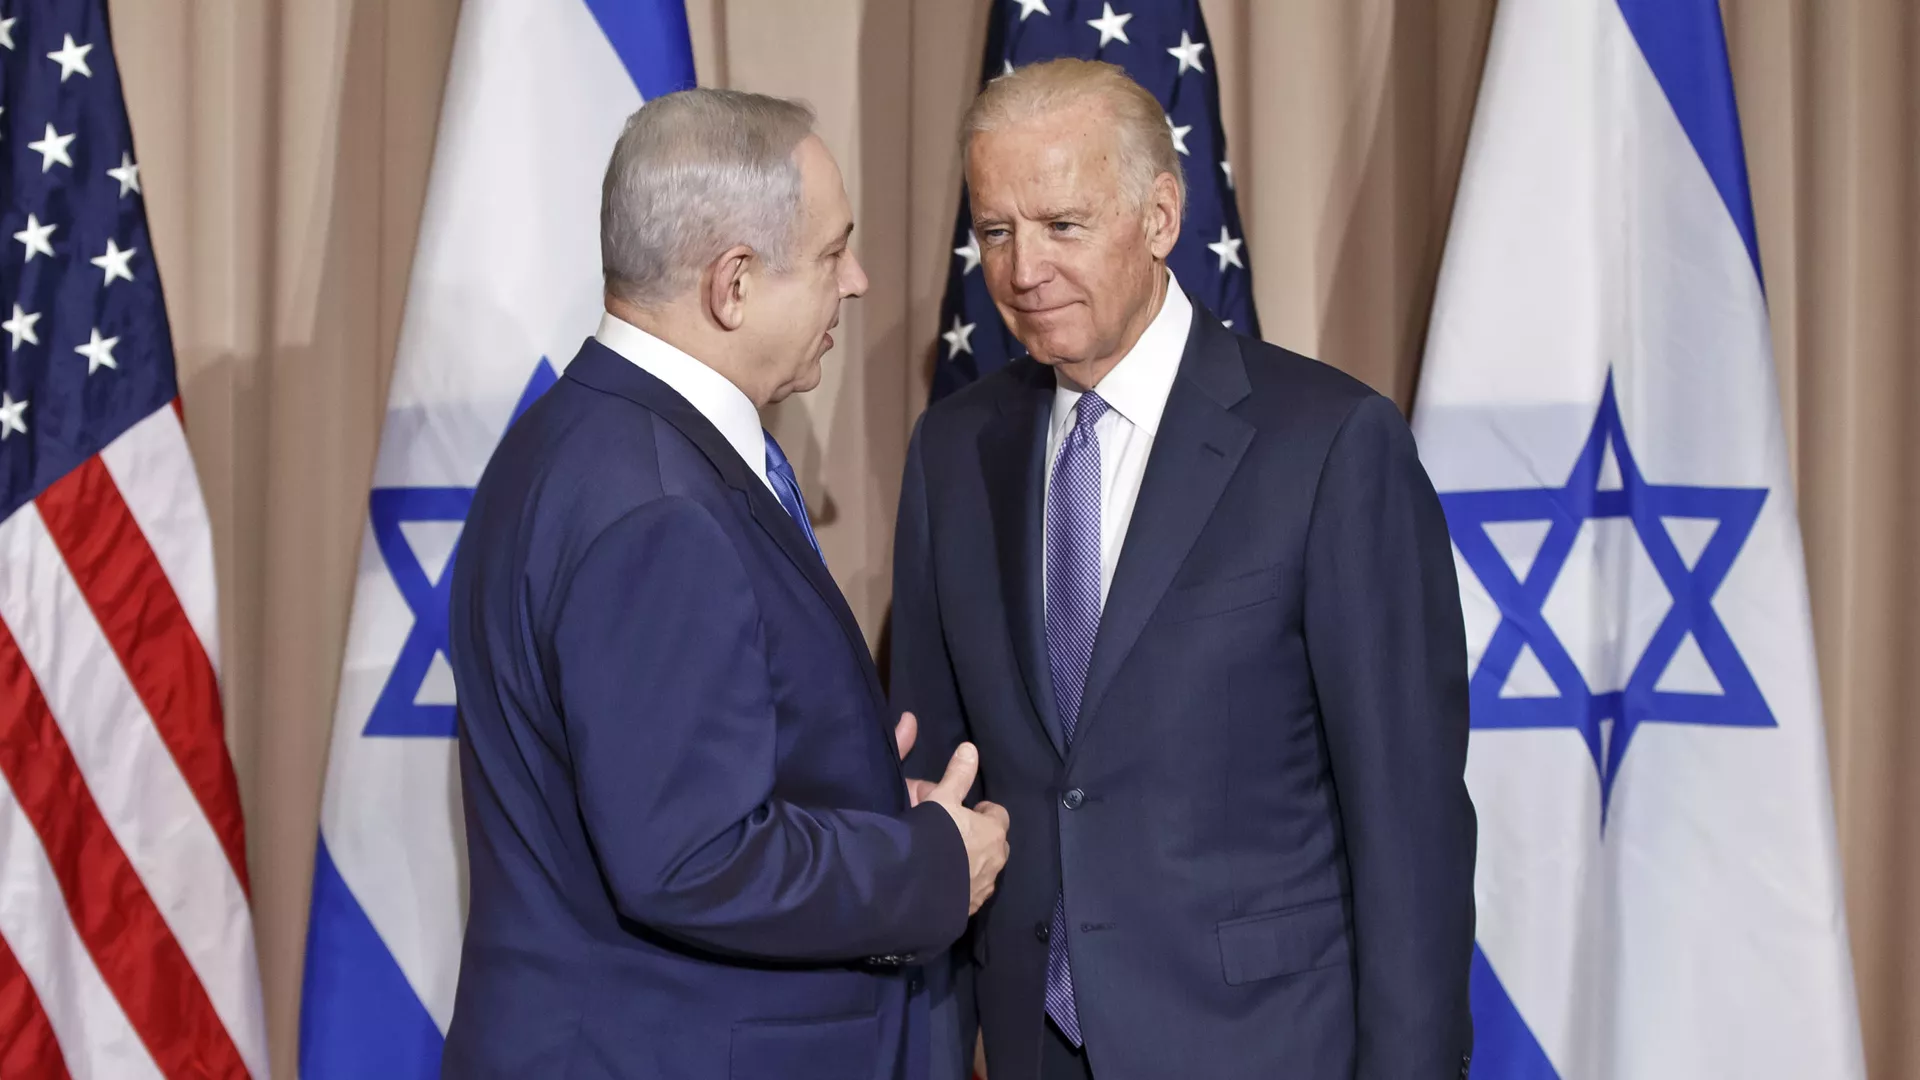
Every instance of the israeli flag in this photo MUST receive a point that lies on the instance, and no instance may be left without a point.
(1658, 890)
(506, 284)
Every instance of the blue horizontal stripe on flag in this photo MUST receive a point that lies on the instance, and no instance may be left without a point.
(358, 1014)
(1686, 46)
(1503, 1046)
(652, 41)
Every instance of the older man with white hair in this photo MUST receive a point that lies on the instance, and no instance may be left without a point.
(1193, 597)
(693, 851)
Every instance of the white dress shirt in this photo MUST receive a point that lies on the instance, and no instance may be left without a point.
(1136, 392)
(724, 405)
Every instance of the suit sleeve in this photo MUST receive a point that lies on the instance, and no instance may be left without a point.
(670, 717)
(923, 682)
(1388, 655)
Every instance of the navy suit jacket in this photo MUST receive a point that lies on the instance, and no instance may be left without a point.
(1262, 824)
(687, 832)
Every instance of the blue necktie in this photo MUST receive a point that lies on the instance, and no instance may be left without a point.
(787, 487)
(1073, 618)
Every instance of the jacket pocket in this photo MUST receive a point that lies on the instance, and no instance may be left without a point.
(805, 1049)
(1197, 601)
(1277, 943)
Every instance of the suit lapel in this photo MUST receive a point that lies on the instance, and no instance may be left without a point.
(1195, 453)
(786, 532)
(1012, 451)
(604, 369)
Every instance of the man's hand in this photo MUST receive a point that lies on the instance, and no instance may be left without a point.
(983, 829)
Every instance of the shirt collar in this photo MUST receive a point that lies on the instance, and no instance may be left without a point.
(724, 405)
(1138, 386)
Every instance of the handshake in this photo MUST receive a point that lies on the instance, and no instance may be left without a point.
(983, 828)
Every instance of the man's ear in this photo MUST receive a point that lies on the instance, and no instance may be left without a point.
(1163, 215)
(728, 281)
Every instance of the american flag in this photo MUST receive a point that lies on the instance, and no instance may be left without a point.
(126, 944)
(1163, 45)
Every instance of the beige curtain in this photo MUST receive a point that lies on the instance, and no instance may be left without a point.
(285, 146)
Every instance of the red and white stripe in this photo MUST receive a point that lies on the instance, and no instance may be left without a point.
(126, 940)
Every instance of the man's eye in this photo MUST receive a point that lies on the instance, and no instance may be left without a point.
(1063, 226)
(994, 234)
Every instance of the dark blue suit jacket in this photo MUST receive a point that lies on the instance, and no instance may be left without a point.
(1262, 824)
(687, 831)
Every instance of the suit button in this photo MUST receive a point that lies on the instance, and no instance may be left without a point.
(1042, 931)
(1072, 799)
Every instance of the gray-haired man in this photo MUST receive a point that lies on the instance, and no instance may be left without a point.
(693, 851)
(1193, 596)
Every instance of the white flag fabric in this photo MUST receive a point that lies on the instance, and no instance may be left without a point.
(1658, 889)
(505, 286)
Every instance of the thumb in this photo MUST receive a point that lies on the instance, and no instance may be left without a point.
(961, 770)
(905, 733)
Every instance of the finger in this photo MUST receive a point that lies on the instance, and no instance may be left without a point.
(905, 733)
(919, 791)
(994, 811)
(961, 770)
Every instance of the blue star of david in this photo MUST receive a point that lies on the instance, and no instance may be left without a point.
(397, 713)
(1523, 623)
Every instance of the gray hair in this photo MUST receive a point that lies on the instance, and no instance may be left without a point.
(1146, 140)
(693, 174)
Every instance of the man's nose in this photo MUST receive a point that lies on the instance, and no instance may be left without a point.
(853, 277)
(1031, 268)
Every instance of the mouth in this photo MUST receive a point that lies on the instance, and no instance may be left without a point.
(1040, 309)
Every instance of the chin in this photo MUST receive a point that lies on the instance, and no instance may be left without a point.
(1054, 349)
(808, 379)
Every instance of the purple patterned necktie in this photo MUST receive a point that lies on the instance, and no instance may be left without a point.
(1073, 618)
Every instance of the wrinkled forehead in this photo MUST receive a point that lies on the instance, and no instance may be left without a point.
(1074, 151)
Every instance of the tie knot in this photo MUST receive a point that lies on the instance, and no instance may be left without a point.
(1090, 409)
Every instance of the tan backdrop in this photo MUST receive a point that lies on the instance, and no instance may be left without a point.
(285, 145)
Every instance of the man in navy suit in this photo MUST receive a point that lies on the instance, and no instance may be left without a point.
(1193, 597)
(693, 851)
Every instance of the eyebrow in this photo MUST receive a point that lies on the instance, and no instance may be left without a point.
(840, 241)
(1051, 213)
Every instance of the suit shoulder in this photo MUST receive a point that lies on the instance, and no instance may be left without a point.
(973, 404)
(1315, 400)
(1306, 384)
(577, 460)
(1352, 425)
